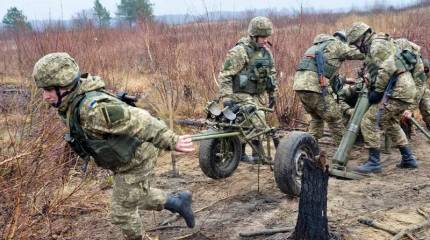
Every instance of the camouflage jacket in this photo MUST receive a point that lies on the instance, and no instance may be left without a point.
(381, 57)
(335, 53)
(417, 72)
(236, 60)
(128, 120)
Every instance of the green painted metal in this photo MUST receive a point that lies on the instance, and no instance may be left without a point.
(203, 136)
(341, 156)
(342, 173)
(415, 122)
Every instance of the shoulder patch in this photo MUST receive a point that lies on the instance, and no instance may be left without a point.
(113, 113)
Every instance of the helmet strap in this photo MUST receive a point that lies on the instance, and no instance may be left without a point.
(60, 95)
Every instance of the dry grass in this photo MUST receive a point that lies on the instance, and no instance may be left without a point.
(173, 67)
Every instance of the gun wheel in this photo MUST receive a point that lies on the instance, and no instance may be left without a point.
(219, 157)
(289, 159)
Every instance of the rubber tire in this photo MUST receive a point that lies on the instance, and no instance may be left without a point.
(284, 165)
(208, 158)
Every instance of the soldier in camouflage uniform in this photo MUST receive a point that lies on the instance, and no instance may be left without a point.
(249, 73)
(423, 97)
(384, 63)
(312, 87)
(117, 136)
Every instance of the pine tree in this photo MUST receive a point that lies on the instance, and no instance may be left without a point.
(133, 10)
(101, 14)
(15, 19)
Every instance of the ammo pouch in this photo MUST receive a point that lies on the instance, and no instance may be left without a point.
(406, 60)
(255, 78)
(110, 152)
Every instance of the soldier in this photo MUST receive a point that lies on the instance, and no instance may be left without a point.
(388, 74)
(249, 72)
(316, 71)
(423, 97)
(117, 136)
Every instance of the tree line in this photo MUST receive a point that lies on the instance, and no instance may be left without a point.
(128, 11)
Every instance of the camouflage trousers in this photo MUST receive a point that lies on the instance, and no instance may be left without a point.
(132, 193)
(243, 99)
(424, 106)
(323, 109)
(389, 123)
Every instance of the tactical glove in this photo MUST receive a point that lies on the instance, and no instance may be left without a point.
(375, 97)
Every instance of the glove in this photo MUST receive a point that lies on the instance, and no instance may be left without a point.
(375, 97)
(349, 112)
(272, 101)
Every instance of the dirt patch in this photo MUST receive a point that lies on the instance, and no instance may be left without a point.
(235, 205)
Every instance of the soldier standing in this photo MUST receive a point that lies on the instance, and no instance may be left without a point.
(117, 136)
(423, 96)
(249, 73)
(392, 86)
(315, 73)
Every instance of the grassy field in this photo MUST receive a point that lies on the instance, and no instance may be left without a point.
(155, 61)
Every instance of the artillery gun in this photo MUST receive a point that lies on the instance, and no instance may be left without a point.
(229, 127)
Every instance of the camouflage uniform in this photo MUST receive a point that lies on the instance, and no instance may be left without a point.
(382, 54)
(237, 65)
(103, 116)
(307, 85)
(383, 63)
(248, 73)
(424, 100)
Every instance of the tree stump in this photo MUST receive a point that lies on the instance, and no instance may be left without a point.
(312, 222)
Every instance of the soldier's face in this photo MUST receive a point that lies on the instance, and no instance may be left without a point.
(50, 95)
(263, 41)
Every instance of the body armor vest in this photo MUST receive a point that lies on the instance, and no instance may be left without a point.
(255, 77)
(109, 152)
(308, 62)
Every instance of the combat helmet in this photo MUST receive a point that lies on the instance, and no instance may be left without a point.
(341, 35)
(260, 26)
(357, 30)
(56, 70)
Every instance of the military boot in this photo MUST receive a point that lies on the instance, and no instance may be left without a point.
(244, 157)
(373, 164)
(181, 203)
(249, 159)
(408, 159)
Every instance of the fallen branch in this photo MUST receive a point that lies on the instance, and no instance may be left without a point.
(187, 236)
(407, 231)
(423, 213)
(267, 232)
(164, 227)
(377, 225)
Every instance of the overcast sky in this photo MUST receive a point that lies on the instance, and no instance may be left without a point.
(65, 9)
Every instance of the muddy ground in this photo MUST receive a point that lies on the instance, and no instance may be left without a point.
(234, 205)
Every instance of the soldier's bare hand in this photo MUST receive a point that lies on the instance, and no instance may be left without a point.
(184, 144)
(407, 114)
